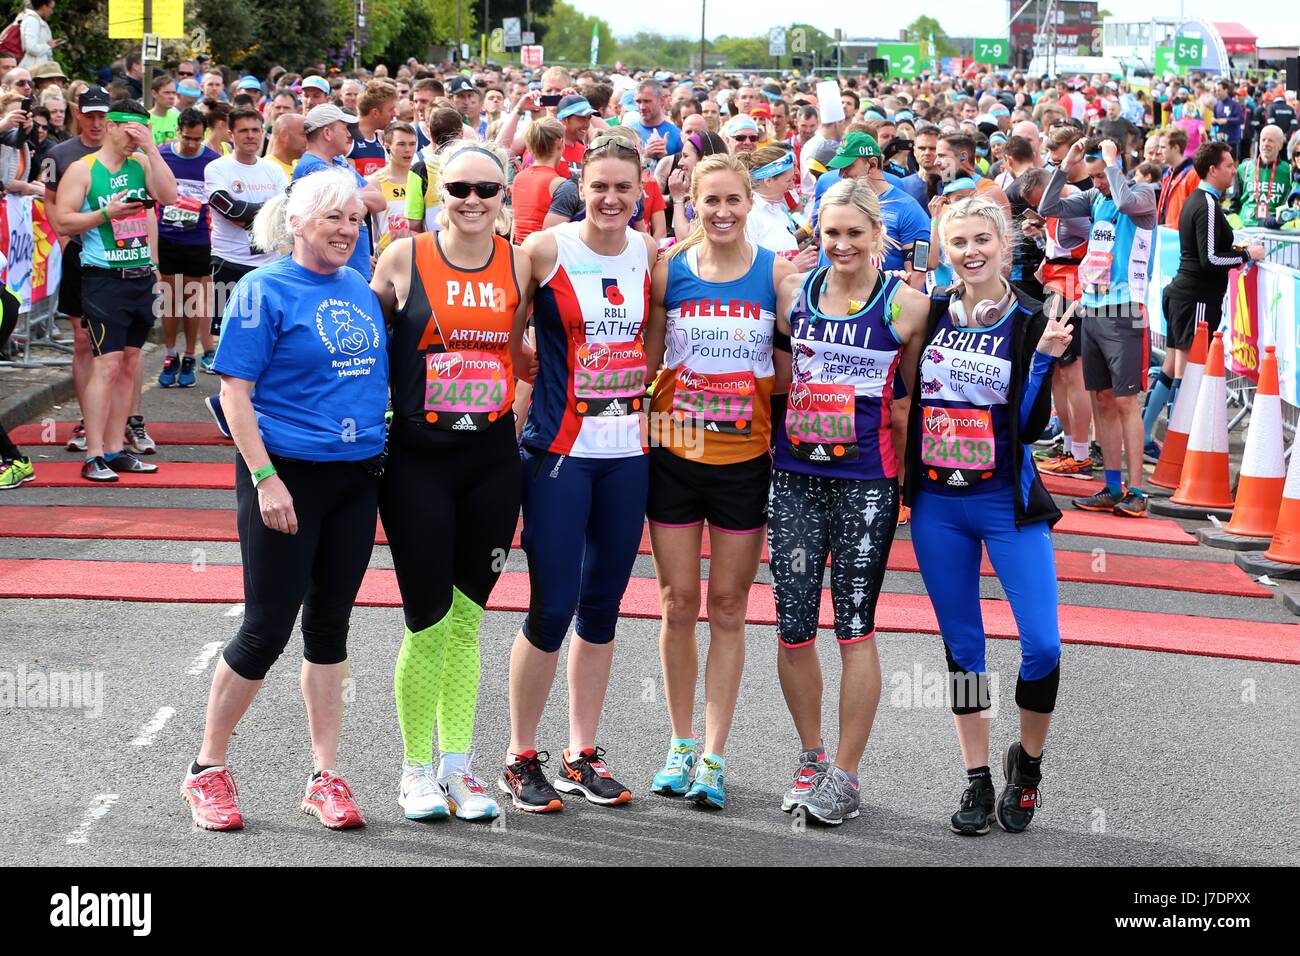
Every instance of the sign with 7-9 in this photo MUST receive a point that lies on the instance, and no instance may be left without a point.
(1188, 51)
(904, 58)
(994, 51)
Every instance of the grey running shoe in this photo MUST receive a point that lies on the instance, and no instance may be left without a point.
(811, 763)
(78, 440)
(834, 798)
(137, 438)
(96, 469)
(129, 463)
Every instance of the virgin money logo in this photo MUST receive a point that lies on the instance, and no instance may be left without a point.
(446, 365)
(691, 379)
(594, 356)
(939, 423)
(801, 397)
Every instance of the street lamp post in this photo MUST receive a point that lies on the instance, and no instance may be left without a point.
(703, 6)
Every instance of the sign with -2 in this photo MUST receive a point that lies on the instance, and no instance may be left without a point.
(904, 58)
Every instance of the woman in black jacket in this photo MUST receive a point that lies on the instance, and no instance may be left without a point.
(983, 389)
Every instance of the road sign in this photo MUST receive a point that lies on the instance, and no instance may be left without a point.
(151, 51)
(513, 29)
(126, 19)
(1164, 61)
(994, 51)
(776, 41)
(904, 58)
(1188, 51)
(529, 38)
(530, 57)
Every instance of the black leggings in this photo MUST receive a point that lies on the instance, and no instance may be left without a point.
(319, 569)
(450, 515)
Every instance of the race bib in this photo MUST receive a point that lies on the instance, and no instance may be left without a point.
(183, 214)
(1094, 270)
(609, 378)
(820, 422)
(721, 402)
(133, 227)
(465, 391)
(957, 439)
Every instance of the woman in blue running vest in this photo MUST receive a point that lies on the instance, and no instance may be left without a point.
(983, 388)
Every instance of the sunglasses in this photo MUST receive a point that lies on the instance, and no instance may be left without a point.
(184, 72)
(461, 190)
(745, 139)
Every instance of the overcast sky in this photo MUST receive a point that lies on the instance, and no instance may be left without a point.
(966, 18)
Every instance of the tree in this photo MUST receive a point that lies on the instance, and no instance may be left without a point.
(567, 34)
(922, 29)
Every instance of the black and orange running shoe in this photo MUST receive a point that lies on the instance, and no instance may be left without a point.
(527, 785)
(1104, 500)
(587, 774)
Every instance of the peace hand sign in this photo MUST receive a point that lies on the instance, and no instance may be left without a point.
(1057, 335)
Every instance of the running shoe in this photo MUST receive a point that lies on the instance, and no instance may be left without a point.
(588, 775)
(1104, 500)
(171, 366)
(1054, 450)
(976, 810)
(213, 799)
(675, 778)
(468, 798)
(129, 463)
(811, 763)
(329, 799)
(96, 469)
(904, 515)
(1068, 466)
(707, 789)
(205, 362)
(833, 799)
(186, 379)
(1052, 432)
(1151, 452)
(16, 472)
(1098, 459)
(527, 785)
(138, 437)
(78, 440)
(419, 796)
(1132, 505)
(1020, 798)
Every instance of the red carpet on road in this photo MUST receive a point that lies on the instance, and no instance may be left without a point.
(170, 474)
(178, 524)
(164, 433)
(908, 613)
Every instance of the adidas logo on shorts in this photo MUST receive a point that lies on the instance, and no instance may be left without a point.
(712, 427)
(465, 424)
(957, 480)
(819, 454)
(613, 409)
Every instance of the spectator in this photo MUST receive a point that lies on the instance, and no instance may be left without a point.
(132, 75)
(163, 116)
(38, 44)
(57, 105)
(47, 76)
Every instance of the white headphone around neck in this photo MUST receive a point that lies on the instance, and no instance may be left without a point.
(986, 311)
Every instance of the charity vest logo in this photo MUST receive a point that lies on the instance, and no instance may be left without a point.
(446, 364)
(593, 356)
(609, 288)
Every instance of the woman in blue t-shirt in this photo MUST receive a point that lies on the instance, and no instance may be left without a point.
(304, 386)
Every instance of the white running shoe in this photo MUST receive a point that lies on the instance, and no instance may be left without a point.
(468, 798)
(420, 797)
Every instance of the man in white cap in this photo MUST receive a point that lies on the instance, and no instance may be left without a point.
(315, 92)
(328, 141)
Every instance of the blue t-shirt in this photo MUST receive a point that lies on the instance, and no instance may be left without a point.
(914, 186)
(316, 350)
(906, 221)
(309, 164)
(671, 134)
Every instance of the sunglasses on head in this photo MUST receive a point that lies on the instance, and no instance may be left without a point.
(461, 190)
(612, 141)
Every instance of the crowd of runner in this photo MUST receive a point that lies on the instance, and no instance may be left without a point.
(447, 296)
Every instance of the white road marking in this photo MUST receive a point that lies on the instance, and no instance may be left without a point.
(151, 730)
(102, 803)
(204, 659)
(236, 610)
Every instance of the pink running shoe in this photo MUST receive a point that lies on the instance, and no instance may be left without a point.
(330, 800)
(212, 796)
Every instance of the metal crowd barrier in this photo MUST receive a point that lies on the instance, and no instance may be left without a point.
(35, 329)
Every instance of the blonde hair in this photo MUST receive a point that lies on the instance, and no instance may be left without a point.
(447, 155)
(544, 137)
(281, 216)
(975, 207)
(707, 166)
(859, 194)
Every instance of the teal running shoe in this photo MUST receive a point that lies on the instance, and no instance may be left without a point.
(706, 790)
(675, 778)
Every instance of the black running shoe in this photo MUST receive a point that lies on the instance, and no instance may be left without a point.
(96, 469)
(527, 785)
(972, 819)
(589, 776)
(1018, 801)
(129, 463)
(1104, 500)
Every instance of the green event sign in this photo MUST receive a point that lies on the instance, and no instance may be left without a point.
(994, 51)
(904, 58)
(1188, 51)
(1165, 61)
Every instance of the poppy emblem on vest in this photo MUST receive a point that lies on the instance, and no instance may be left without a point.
(609, 288)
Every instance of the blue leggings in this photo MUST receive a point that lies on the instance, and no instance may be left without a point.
(947, 533)
(583, 519)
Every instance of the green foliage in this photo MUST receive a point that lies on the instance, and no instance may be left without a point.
(566, 35)
(922, 29)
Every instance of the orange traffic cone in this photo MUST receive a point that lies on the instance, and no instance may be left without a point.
(1204, 481)
(1170, 466)
(1263, 465)
(1286, 538)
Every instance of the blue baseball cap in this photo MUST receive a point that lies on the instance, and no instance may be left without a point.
(957, 185)
(249, 83)
(573, 105)
(628, 100)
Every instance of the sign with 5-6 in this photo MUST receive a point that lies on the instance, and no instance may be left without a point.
(994, 51)
(904, 58)
(1188, 51)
